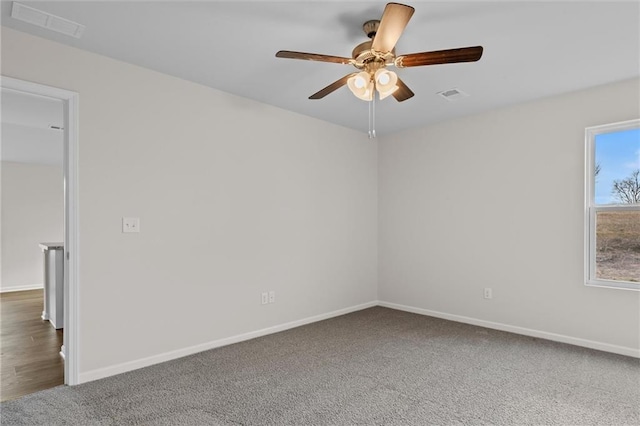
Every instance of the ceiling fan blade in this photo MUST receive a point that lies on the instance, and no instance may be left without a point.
(403, 92)
(394, 19)
(332, 87)
(464, 54)
(313, 57)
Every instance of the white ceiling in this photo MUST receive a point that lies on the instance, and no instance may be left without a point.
(531, 49)
(26, 135)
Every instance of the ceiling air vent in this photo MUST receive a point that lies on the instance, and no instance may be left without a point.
(452, 94)
(46, 20)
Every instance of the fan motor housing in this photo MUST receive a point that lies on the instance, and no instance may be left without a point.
(362, 52)
(365, 56)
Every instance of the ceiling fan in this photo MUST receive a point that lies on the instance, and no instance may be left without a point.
(374, 56)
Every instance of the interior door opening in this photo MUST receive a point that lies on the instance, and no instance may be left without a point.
(67, 258)
(32, 190)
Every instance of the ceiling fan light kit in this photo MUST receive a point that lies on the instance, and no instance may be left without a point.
(373, 57)
(361, 86)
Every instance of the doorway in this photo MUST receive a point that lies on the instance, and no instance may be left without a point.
(32, 213)
(70, 254)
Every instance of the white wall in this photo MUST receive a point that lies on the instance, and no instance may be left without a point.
(234, 197)
(32, 212)
(497, 200)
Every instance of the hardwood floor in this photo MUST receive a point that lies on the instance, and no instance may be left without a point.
(30, 347)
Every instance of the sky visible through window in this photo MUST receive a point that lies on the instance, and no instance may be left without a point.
(618, 155)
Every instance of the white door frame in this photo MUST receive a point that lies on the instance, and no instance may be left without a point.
(71, 337)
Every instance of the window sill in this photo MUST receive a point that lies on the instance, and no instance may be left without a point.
(620, 285)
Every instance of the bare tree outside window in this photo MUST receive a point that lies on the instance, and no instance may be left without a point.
(627, 191)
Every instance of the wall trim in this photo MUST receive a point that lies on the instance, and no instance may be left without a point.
(591, 344)
(113, 370)
(22, 288)
(179, 353)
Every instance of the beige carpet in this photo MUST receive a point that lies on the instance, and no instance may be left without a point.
(373, 367)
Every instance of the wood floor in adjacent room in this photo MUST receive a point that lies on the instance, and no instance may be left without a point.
(30, 359)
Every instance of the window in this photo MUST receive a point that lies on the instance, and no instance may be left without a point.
(612, 236)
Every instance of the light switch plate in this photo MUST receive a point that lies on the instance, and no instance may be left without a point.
(130, 224)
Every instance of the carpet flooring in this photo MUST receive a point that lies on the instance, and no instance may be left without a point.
(373, 367)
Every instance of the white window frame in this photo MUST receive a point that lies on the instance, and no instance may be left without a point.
(591, 209)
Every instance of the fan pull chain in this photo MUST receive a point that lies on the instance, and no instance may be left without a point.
(372, 117)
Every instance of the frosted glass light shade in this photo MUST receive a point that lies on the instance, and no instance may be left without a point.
(386, 82)
(361, 86)
(388, 92)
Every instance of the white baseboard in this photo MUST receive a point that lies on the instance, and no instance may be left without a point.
(179, 353)
(22, 288)
(621, 350)
(168, 356)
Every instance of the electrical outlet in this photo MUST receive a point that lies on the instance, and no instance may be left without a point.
(272, 296)
(488, 293)
(130, 224)
(265, 298)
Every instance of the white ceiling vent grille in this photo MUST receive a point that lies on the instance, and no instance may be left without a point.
(46, 20)
(453, 94)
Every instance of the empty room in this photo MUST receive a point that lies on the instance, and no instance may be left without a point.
(323, 213)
